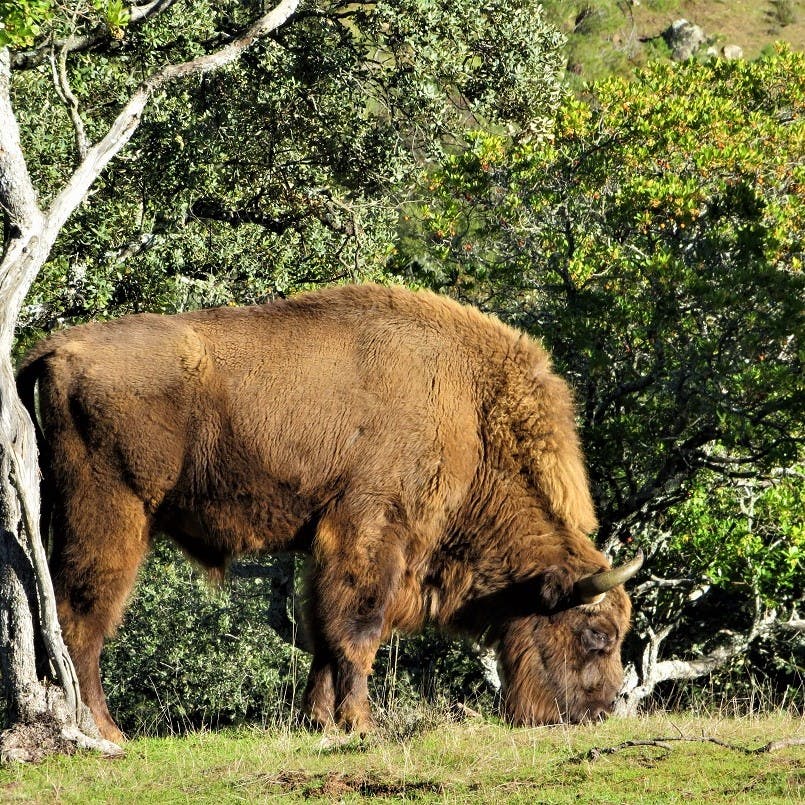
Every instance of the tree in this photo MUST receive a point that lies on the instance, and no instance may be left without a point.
(654, 242)
(324, 120)
(29, 235)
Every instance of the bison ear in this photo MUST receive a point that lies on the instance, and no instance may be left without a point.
(556, 585)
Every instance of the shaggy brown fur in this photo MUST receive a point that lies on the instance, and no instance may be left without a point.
(425, 455)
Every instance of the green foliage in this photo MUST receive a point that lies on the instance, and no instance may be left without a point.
(190, 656)
(115, 15)
(655, 244)
(21, 21)
(430, 669)
(784, 12)
(283, 171)
(601, 40)
(742, 548)
(744, 536)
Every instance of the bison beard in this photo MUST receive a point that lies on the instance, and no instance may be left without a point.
(425, 456)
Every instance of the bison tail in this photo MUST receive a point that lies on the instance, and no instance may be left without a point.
(29, 374)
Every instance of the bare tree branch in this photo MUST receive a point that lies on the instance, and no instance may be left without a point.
(663, 743)
(216, 210)
(67, 97)
(127, 121)
(654, 670)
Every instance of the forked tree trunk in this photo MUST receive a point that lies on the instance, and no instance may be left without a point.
(44, 718)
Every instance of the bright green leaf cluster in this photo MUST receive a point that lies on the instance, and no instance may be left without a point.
(21, 21)
(655, 241)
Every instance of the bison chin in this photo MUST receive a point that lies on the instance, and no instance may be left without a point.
(561, 668)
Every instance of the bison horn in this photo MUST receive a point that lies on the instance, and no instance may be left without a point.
(591, 589)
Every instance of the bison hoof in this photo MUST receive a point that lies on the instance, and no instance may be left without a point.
(110, 732)
(359, 722)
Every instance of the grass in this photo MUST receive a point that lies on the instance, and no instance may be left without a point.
(614, 37)
(473, 761)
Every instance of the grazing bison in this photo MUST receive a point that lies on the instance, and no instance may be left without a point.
(422, 453)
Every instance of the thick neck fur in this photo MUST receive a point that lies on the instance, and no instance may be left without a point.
(491, 564)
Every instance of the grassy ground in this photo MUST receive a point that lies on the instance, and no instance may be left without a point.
(752, 24)
(475, 761)
(615, 36)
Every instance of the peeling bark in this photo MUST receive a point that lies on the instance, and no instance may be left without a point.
(638, 687)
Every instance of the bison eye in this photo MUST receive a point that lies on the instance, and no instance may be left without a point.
(594, 640)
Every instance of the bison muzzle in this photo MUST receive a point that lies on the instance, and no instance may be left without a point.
(423, 454)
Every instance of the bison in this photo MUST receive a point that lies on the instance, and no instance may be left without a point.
(423, 454)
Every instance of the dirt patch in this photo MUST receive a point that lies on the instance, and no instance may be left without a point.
(335, 784)
(33, 742)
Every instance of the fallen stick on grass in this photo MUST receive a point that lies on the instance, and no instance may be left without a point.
(663, 743)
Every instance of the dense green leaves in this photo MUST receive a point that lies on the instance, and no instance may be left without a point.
(655, 243)
(751, 534)
(190, 656)
(21, 21)
(286, 169)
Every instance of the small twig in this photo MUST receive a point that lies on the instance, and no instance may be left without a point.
(776, 746)
(597, 751)
(68, 98)
(662, 743)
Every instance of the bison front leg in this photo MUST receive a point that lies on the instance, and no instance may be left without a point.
(99, 541)
(357, 567)
(319, 700)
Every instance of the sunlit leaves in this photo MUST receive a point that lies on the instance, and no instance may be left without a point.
(748, 536)
(21, 21)
(330, 125)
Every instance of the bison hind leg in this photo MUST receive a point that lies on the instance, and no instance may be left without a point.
(100, 538)
(319, 699)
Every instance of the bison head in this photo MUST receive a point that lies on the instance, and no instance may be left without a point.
(562, 663)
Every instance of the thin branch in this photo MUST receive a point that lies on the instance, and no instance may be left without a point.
(100, 35)
(215, 210)
(127, 121)
(655, 583)
(663, 743)
(68, 98)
